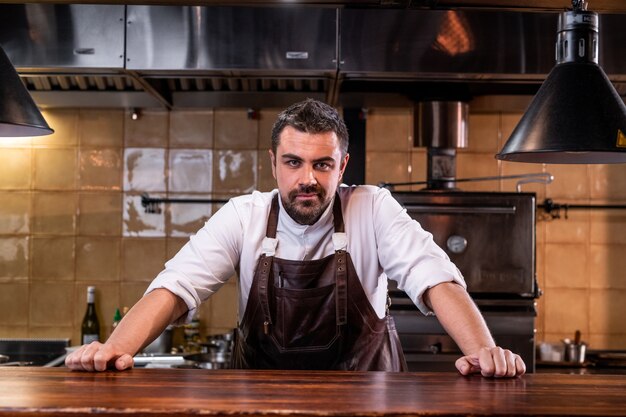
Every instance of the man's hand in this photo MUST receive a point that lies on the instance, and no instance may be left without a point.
(492, 361)
(98, 357)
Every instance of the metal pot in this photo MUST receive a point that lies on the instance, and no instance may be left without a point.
(211, 360)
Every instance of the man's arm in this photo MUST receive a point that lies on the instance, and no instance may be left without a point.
(142, 324)
(460, 317)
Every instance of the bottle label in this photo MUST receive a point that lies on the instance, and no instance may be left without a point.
(88, 338)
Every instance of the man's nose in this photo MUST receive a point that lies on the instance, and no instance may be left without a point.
(307, 176)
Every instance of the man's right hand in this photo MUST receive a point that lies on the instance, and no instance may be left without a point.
(98, 357)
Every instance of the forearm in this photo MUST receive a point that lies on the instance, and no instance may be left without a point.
(459, 316)
(147, 320)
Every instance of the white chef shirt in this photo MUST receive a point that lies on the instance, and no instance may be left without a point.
(383, 242)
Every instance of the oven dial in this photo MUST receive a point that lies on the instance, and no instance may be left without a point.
(456, 244)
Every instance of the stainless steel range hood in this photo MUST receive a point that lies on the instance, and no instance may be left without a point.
(208, 56)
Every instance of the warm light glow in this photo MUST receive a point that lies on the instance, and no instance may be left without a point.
(454, 36)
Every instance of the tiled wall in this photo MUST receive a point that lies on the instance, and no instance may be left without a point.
(581, 266)
(71, 213)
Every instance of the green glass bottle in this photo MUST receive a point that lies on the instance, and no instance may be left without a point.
(90, 329)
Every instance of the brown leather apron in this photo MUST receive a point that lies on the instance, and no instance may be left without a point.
(313, 315)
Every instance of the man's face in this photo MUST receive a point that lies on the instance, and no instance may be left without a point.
(308, 168)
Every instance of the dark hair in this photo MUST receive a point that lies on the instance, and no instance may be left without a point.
(311, 116)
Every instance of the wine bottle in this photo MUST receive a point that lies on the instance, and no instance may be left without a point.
(90, 329)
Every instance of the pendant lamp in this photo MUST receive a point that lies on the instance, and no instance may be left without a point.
(19, 115)
(576, 117)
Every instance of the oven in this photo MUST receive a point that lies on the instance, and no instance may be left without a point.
(490, 236)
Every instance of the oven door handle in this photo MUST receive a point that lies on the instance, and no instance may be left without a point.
(432, 209)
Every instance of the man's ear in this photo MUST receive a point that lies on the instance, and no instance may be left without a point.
(273, 159)
(344, 163)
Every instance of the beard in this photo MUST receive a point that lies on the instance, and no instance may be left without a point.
(307, 211)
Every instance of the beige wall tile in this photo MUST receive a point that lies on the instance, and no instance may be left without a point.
(483, 133)
(473, 165)
(55, 169)
(419, 167)
(508, 122)
(101, 127)
(150, 130)
(204, 316)
(51, 332)
(15, 213)
(266, 181)
(234, 130)
(570, 181)
(607, 226)
(224, 305)
(190, 170)
(65, 125)
(607, 311)
(142, 259)
(607, 264)
(13, 304)
(14, 332)
(14, 257)
(191, 129)
(608, 181)
(144, 169)
(98, 259)
(100, 213)
(517, 168)
(54, 213)
(100, 169)
(607, 341)
(138, 222)
(574, 229)
(107, 300)
(15, 169)
(389, 130)
(174, 245)
(131, 292)
(387, 167)
(52, 258)
(267, 118)
(51, 304)
(567, 310)
(187, 219)
(234, 171)
(566, 265)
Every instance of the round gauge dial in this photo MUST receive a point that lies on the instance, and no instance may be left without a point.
(456, 244)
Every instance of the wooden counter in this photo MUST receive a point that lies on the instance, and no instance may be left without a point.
(177, 392)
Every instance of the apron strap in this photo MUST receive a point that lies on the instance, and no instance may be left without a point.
(272, 221)
(265, 264)
(341, 273)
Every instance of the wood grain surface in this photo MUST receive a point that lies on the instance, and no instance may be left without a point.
(32, 391)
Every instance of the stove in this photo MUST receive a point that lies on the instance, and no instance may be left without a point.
(491, 239)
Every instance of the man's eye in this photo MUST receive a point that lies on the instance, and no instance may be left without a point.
(293, 163)
(323, 166)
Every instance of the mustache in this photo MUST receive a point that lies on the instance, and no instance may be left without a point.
(307, 189)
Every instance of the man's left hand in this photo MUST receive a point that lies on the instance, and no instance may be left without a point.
(492, 362)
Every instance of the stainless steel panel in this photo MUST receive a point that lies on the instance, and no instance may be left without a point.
(489, 236)
(467, 44)
(229, 38)
(63, 36)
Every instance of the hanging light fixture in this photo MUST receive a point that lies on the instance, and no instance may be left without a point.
(576, 117)
(19, 115)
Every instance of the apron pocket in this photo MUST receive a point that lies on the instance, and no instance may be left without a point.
(305, 318)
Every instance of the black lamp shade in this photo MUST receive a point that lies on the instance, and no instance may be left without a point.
(576, 117)
(19, 115)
